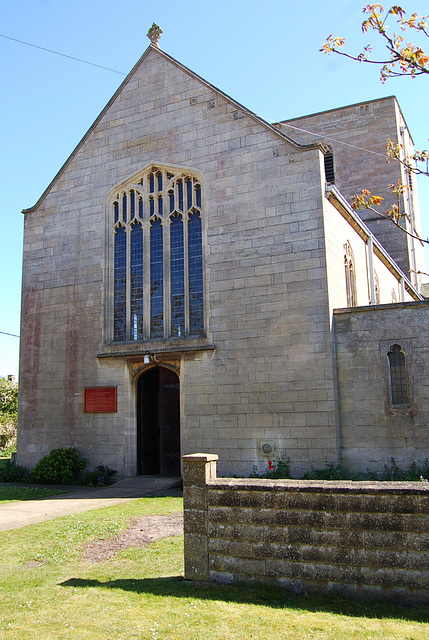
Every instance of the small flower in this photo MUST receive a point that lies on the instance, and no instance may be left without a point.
(270, 465)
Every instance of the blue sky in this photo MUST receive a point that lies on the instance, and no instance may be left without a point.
(265, 55)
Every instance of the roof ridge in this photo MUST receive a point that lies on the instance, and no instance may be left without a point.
(151, 47)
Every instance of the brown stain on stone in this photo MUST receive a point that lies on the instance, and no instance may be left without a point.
(71, 373)
(30, 346)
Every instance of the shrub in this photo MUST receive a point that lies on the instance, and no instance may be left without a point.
(99, 477)
(277, 469)
(414, 472)
(330, 472)
(7, 438)
(60, 466)
(10, 472)
(8, 414)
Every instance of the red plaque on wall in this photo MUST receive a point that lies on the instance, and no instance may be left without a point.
(99, 400)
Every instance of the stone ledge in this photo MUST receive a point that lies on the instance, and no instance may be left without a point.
(165, 347)
(326, 486)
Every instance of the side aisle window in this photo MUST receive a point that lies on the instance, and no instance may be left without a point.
(158, 259)
(398, 379)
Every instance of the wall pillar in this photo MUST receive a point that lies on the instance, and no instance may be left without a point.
(198, 469)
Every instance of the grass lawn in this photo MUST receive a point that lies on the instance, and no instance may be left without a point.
(48, 590)
(14, 493)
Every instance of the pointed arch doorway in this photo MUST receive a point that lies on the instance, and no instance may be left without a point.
(158, 423)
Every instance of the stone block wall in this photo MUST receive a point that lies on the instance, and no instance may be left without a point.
(271, 375)
(368, 540)
(363, 126)
(372, 430)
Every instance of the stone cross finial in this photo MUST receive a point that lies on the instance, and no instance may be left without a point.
(154, 34)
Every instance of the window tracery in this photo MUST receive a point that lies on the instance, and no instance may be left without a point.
(157, 255)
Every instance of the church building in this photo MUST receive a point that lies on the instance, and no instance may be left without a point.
(195, 280)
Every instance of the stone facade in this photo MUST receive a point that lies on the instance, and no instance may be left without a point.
(361, 539)
(263, 370)
(349, 131)
(363, 339)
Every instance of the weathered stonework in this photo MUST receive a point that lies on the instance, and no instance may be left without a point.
(364, 336)
(349, 131)
(273, 240)
(361, 539)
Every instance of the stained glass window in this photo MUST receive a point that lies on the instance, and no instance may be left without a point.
(132, 204)
(158, 259)
(195, 274)
(136, 282)
(180, 188)
(124, 207)
(120, 283)
(177, 277)
(156, 280)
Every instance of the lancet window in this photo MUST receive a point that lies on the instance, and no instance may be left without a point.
(398, 381)
(158, 259)
(376, 288)
(350, 273)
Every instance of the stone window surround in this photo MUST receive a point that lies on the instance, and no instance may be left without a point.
(403, 374)
(350, 275)
(168, 343)
(406, 345)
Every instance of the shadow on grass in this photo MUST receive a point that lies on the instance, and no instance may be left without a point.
(177, 587)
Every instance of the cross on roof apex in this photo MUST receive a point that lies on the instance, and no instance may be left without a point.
(154, 34)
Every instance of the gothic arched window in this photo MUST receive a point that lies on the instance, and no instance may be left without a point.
(398, 381)
(158, 258)
(376, 288)
(349, 267)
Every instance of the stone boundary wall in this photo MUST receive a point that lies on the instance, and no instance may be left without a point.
(363, 539)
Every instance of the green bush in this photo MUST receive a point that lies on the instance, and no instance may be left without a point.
(99, 477)
(277, 469)
(392, 473)
(60, 466)
(7, 439)
(331, 471)
(8, 415)
(415, 472)
(11, 472)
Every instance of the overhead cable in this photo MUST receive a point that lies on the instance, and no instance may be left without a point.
(64, 55)
(283, 124)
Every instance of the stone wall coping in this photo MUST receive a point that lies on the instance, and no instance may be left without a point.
(198, 457)
(326, 486)
(382, 307)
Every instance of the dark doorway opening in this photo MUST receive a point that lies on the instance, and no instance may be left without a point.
(158, 423)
